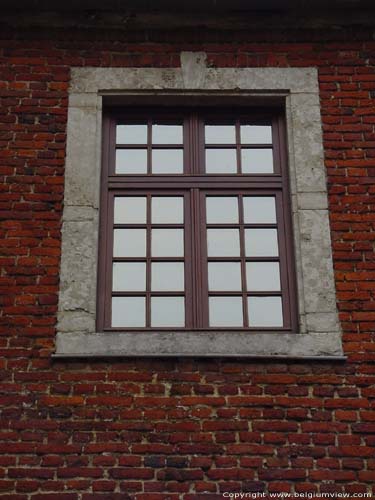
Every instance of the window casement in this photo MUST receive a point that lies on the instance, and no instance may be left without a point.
(195, 230)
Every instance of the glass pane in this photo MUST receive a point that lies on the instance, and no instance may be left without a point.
(130, 210)
(129, 243)
(167, 276)
(167, 243)
(224, 276)
(223, 242)
(128, 312)
(256, 134)
(167, 210)
(265, 311)
(261, 243)
(222, 210)
(221, 161)
(257, 161)
(131, 161)
(225, 311)
(263, 276)
(131, 134)
(220, 134)
(129, 277)
(259, 210)
(168, 311)
(167, 134)
(167, 161)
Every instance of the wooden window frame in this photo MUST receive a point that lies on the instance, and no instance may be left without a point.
(194, 184)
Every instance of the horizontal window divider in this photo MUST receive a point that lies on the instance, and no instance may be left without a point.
(241, 145)
(189, 182)
(151, 293)
(150, 259)
(151, 226)
(152, 146)
(239, 293)
(237, 226)
(247, 259)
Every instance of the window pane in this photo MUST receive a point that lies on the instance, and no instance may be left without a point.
(221, 161)
(263, 276)
(168, 311)
(257, 161)
(259, 210)
(131, 134)
(167, 276)
(129, 276)
(220, 134)
(224, 276)
(167, 243)
(131, 161)
(129, 243)
(223, 242)
(222, 210)
(167, 161)
(256, 134)
(128, 312)
(167, 210)
(167, 134)
(225, 311)
(130, 210)
(261, 243)
(265, 311)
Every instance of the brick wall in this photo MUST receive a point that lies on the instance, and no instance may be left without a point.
(152, 429)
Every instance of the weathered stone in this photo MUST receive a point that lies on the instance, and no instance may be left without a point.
(318, 326)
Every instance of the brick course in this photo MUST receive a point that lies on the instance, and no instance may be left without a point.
(154, 429)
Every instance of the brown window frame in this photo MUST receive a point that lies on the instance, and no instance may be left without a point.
(194, 184)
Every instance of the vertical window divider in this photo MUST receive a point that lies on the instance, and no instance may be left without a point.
(148, 262)
(238, 147)
(243, 262)
(149, 146)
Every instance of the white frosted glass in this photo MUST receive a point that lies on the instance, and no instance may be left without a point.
(220, 134)
(261, 243)
(129, 277)
(131, 134)
(129, 243)
(221, 161)
(225, 311)
(256, 134)
(167, 242)
(223, 242)
(224, 276)
(263, 276)
(128, 312)
(259, 210)
(130, 210)
(167, 134)
(167, 210)
(131, 161)
(167, 276)
(167, 161)
(222, 209)
(265, 311)
(167, 311)
(257, 161)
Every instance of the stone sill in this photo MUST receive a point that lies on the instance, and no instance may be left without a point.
(227, 344)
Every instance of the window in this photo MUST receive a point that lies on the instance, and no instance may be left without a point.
(316, 331)
(195, 225)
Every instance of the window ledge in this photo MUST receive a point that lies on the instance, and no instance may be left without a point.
(322, 345)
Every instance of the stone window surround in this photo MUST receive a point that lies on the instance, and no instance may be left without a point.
(319, 335)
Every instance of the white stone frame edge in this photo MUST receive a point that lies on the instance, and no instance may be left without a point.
(320, 333)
